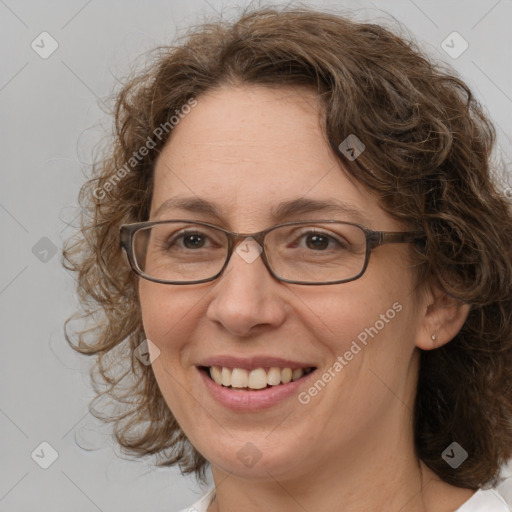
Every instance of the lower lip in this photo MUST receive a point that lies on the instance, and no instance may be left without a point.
(253, 400)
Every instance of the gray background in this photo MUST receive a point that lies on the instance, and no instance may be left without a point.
(51, 118)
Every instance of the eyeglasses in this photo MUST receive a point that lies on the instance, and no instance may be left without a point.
(312, 252)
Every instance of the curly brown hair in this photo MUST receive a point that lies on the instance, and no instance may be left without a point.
(428, 145)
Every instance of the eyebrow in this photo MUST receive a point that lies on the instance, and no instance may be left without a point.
(279, 213)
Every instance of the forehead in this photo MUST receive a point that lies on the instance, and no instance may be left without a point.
(248, 149)
(237, 126)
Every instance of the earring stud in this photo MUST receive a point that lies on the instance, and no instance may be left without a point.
(434, 337)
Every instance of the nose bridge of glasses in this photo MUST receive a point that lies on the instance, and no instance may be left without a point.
(239, 238)
(248, 252)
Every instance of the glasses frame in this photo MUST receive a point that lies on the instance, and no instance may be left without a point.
(374, 239)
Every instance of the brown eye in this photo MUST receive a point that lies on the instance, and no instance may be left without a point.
(318, 241)
(192, 240)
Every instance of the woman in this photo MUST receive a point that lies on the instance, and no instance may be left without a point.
(350, 349)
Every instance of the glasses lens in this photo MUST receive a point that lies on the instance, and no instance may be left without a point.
(179, 251)
(309, 252)
(316, 252)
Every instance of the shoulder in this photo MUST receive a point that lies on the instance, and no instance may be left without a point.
(201, 505)
(485, 501)
(482, 501)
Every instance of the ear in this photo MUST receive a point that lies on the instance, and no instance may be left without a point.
(441, 318)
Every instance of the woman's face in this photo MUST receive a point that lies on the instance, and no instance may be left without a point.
(246, 150)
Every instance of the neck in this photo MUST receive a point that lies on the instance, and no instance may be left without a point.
(375, 470)
(416, 490)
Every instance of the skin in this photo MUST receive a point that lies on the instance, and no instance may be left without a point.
(247, 148)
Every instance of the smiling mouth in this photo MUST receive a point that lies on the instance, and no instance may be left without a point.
(241, 379)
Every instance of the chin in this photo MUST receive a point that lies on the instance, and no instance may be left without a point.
(255, 459)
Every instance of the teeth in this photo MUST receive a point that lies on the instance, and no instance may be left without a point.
(258, 378)
(286, 375)
(226, 376)
(216, 374)
(239, 378)
(297, 373)
(274, 376)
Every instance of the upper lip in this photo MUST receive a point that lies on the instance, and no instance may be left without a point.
(251, 363)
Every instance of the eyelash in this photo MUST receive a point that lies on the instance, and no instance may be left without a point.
(181, 235)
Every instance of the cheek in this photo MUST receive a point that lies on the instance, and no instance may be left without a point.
(371, 321)
(170, 317)
(161, 314)
(166, 324)
(163, 310)
(153, 307)
(341, 312)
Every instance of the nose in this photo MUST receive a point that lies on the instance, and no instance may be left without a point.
(247, 297)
